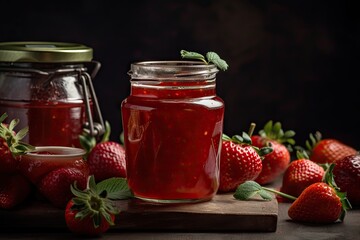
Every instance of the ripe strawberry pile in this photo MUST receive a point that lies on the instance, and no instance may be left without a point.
(321, 181)
(90, 215)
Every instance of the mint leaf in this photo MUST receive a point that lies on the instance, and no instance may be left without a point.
(192, 55)
(214, 58)
(116, 188)
(249, 189)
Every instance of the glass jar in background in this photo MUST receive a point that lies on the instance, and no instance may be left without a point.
(173, 123)
(48, 87)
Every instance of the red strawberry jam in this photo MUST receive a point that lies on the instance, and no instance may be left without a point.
(50, 123)
(46, 85)
(35, 165)
(172, 131)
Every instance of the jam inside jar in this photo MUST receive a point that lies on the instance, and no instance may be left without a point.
(173, 123)
(45, 86)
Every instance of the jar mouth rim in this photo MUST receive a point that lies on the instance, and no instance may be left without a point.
(172, 69)
(174, 62)
(58, 152)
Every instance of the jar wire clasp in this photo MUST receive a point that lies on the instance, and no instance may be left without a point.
(93, 126)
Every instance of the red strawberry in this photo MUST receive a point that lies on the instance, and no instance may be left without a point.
(106, 160)
(14, 189)
(10, 145)
(320, 202)
(86, 225)
(55, 186)
(239, 161)
(347, 177)
(300, 174)
(91, 212)
(275, 163)
(327, 150)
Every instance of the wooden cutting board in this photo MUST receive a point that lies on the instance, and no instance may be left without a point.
(223, 213)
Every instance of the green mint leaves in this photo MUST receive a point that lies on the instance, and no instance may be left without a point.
(211, 57)
(251, 188)
(116, 188)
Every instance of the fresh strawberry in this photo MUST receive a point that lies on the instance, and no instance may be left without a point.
(321, 202)
(55, 186)
(275, 163)
(92, 211)
(239, 161)
(10, 145)
(327, 150)
(86, 225)
(300, 174)
(347, 177)
(14, 189)
(318, 203)
(106, 159)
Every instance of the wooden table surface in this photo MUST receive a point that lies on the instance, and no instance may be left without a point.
(286, 229)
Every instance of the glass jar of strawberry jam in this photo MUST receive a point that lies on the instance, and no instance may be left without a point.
(48, 87)
(173, 123)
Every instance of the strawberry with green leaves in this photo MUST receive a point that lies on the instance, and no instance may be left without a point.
(92, 212)
(327, 150)
(321, 202)
(11, 145)
(239, 161)
(275, 163)
(300, 174)
(106, 159)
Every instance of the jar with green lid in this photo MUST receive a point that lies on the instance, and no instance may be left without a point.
(48, 87)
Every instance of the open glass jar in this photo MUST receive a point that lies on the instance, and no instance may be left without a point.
(48, 87)
(173, 123)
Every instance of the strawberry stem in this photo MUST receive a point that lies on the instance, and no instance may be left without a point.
(280, 193)
(251, 129)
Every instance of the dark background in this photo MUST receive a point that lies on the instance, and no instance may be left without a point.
(290, 61)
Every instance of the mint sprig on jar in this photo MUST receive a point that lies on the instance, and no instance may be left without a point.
(211, 57)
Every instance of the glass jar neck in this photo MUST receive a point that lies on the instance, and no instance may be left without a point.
(172, 79)
(42, 68)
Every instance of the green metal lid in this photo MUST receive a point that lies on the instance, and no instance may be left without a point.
(45, 52)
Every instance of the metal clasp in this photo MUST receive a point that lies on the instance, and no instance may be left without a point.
(94, 126)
